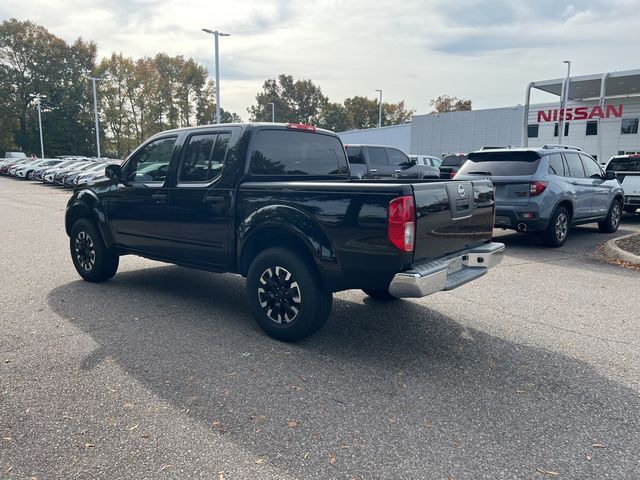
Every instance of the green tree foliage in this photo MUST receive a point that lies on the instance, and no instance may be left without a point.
(32, 60)
(333, 116)
(362, 112)
(137, 98)
(445, 103)
(298, 101)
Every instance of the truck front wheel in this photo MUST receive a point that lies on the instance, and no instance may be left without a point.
(91, 257)
(286, 296)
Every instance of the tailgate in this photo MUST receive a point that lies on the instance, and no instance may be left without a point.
(630, 182)
(452, 216)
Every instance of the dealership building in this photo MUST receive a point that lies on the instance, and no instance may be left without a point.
(601, 117)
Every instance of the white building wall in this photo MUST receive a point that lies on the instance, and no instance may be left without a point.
(453, 132)
(398, 136)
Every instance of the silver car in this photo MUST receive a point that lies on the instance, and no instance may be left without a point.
(547, 190)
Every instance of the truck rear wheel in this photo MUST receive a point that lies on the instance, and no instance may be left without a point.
(91, 257)
(286, 296)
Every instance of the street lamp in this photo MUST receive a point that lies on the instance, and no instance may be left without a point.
(95, 110)
(217, 34)
(39, 97)
(379, 108)
(273, 112)
(563, 100)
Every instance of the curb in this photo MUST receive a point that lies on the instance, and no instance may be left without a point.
(611, 250)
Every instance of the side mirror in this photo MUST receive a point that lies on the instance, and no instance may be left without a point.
(114, 172)
(610, 175)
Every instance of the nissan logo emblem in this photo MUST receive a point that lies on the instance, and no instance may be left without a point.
(461, 191)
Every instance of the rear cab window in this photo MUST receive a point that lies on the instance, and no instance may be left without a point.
(453, 160)
(287, 152)
(624, 164)
(501, 164)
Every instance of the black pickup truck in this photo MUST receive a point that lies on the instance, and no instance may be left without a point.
(275, 203)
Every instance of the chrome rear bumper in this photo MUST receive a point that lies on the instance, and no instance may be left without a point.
(430, 277)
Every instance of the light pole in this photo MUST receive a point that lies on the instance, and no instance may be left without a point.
(38, 97)
(379, 108)
(217, 34)
(95, 110)
(273, 112)
(563, 100)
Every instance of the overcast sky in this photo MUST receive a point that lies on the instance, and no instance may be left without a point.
(413, 50)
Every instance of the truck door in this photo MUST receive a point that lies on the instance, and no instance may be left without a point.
(138, 207)
(201, 203)
(378, 163)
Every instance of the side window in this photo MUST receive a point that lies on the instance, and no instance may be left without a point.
(355, 155)
(556, 167)
(204, 157)
(151, 164)
(591, 168)
(378, 157)
(396, 157)
(575, 165)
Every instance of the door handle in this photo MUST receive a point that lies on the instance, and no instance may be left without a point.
(373, 170)
(213, 198)
(397, 171)
(159, 197)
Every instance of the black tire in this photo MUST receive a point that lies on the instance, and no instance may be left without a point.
(286, 296)
(612, 222)
(92, 259)
(556, 233)
(630, 209)
(29, 175)
(382, 295)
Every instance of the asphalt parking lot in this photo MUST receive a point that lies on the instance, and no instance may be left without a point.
(530, 372)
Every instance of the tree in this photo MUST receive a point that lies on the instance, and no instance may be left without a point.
(445, 103)
(333, 116)
(395, 113)
(298, 101)
(34, 60)
(362, 112)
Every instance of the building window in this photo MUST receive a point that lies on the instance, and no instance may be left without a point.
(556, 129)
(532, 131)
(629, 125)
(592, 128)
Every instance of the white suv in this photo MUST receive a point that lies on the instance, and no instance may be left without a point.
(627, 169)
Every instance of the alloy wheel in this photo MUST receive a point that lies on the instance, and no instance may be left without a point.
(85, 251)
(562, 226)
(616, 214)
(279, 295)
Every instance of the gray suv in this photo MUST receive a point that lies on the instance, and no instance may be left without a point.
(548, 189)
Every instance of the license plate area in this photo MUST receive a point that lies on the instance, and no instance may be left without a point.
(455, 265)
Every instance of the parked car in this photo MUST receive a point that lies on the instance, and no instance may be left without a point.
(26, 169)
(48, 165)
(92, 167)
(58, 178)
(627, 170)
(379, 161)
(274, 203)
(451, 164)
(48, 175)
(16, 155)
(547, 190)
(426, 160)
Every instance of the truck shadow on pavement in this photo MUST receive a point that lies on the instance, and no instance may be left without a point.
(383, 391)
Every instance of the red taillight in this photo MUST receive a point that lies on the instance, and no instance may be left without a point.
(301, 126)
(401, 218)
(452, 174)
(537, 188)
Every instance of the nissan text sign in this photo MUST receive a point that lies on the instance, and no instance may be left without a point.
(580, 113)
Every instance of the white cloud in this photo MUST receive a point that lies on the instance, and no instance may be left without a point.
(414, 50)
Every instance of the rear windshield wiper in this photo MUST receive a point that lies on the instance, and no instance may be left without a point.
(477, 172)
